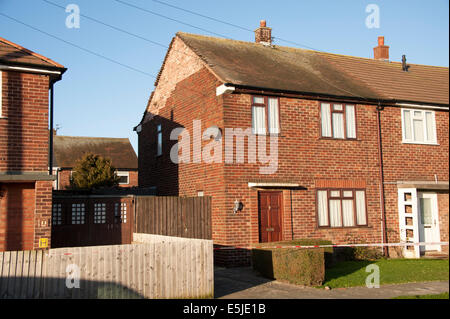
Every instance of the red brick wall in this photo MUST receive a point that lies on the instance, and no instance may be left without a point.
(43, 212)
(24, 128)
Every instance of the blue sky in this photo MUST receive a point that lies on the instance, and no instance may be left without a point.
(100, 98)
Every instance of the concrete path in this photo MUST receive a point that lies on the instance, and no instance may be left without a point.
(244, 283)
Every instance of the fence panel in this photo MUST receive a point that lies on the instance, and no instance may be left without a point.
(174, 216)
(154, 267)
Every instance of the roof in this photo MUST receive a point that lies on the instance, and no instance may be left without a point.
(13, 53)
(313, 72)
(68, 149)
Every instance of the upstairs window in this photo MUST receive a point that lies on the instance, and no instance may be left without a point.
(123, 177)
(159, 140)
(338, 120)
(265, 114)
(418, 126)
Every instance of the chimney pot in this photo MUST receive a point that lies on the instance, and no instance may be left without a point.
(381, 52)
(263, 34)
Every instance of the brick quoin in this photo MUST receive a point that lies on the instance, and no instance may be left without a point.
(303, 157)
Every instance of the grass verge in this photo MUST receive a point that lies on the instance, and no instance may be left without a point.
(392, 271)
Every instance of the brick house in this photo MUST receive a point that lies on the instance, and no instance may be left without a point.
(69, 149)
(362, 144)
(26, 82)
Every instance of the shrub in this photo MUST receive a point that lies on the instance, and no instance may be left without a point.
(297, 266)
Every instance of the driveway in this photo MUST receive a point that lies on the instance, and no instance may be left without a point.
(244, 283)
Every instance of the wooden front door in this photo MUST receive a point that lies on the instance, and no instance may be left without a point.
(270, 216)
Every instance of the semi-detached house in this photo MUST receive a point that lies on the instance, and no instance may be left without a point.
(363, 143)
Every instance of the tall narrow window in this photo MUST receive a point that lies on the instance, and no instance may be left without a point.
(338, 121)
(265, 115)
(159, 140)
(418, 126)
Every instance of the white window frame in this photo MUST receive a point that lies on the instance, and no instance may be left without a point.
(122, 174)
(412, 140)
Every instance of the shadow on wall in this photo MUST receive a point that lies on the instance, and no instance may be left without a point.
(158, 170)
(55, 288)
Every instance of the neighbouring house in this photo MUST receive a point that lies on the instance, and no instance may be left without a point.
(362, 143)
(69, 149)
(26, 83)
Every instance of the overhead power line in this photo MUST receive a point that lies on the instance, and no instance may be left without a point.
(169, 18)
(77, 46)
(230, 24)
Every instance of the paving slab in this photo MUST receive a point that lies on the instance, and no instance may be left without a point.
(244, 283)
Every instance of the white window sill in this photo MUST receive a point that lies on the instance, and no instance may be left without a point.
(420, 143)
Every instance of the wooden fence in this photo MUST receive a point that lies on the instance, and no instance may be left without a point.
(188, 217)
(155, 268)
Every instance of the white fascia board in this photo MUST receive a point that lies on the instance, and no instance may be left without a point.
(224, 89)
(19, 68)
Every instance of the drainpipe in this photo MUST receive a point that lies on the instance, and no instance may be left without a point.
(380, 161)
(50, 146)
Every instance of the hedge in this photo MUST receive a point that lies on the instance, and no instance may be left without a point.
(297, 266)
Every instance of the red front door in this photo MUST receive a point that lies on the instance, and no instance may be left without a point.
(270, 216)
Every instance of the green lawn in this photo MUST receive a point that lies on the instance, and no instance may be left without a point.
(392, 271)
(438, 296)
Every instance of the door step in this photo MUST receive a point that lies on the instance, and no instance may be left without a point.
(435, 255)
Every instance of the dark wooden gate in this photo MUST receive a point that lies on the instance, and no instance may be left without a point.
(270, 216)
(92, 220)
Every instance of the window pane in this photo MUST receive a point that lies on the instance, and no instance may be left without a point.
(322, 208)
(407, 132)
(338, 125)
(360, 208)
(347, 207)
(335, 213)
(348, 193)
(259, 120)
(273, 116)
(258, 100)
(350, 121)
(326, 120)
(335, 193)
(425, 211)
(337, 107)
(159, 146)
(418, 130)
(430, 127)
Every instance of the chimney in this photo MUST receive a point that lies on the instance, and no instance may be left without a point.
(381, 52)
(263, 34)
